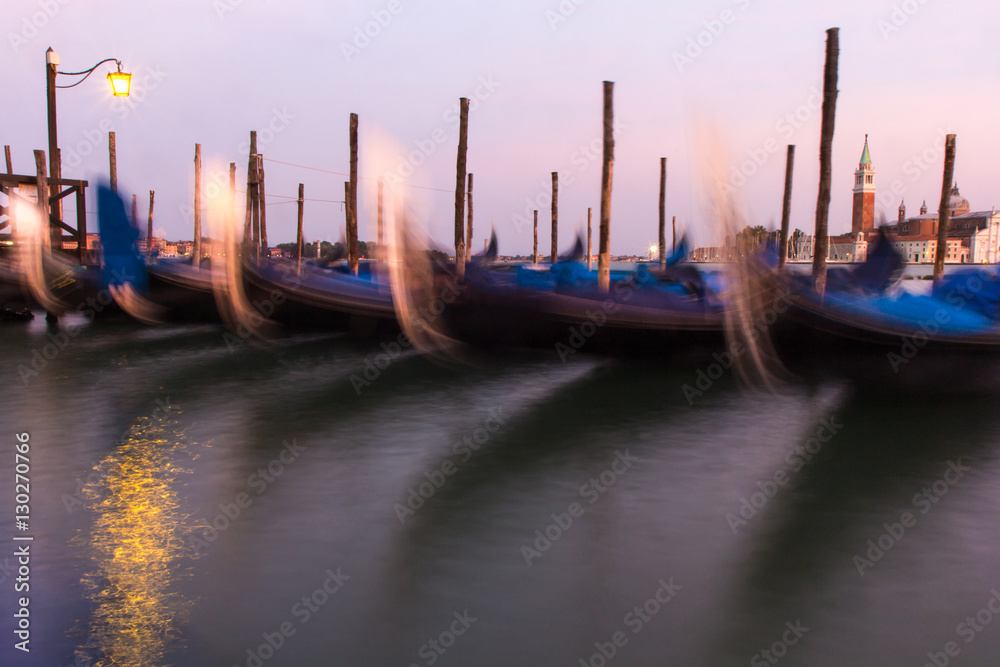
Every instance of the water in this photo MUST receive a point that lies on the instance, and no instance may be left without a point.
(142, 438)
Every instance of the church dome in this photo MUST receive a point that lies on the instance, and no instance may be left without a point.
(957, 204)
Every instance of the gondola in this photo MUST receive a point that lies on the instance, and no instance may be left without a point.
(676, 313)
(867, 329)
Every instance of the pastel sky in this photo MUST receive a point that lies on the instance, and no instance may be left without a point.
(209, 71)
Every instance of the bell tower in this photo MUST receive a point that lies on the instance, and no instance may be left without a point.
(863, 215)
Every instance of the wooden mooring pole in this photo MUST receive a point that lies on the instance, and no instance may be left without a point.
(555, 217)
(149, 226)
(44, 212)
(604, 258)
(460, 170)
(468, 226)
(298, 232)
(822, 239)
(113, 161)
(381, 245)
(196, 246)
(663, 213)
(10, 163)
(135, 211)
(944, 211)
(786, 208)
(262, 205)
(352, 218)
(590, 230)
(673, 225)
(534, 259)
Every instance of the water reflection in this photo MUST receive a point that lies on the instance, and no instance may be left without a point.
(137, 547)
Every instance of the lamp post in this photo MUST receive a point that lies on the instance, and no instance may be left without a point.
(120, 84)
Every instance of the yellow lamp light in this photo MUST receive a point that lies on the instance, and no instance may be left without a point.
(120, 82)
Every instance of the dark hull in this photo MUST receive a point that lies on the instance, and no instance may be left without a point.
(817, 342)
(625, 322)
(183, 292)
(320, 300)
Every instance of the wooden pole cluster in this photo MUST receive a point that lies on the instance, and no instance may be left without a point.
(149, 226)
(463, 145)
(822, 239)
(535, 255)
(944, 210)
(298, 232)
(352, 199)
(786, 208)
(663, 213)
(196, 246)
(604, 258)
(590, 230)
(251, 221)
(468, 226)
(113, 161)
(555, 217)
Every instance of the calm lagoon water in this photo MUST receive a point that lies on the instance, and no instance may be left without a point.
(571, 510)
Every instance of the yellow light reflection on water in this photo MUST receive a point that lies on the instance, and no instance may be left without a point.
(137, 547)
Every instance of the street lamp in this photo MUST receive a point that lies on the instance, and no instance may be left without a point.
(120, 83)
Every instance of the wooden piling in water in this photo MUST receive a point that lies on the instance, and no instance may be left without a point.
(673, 225)
(468, 226)
(196, 246)
(262, 205)
(352, 218)
(821, 243)
(149, 226)
(534, 259)
(380, 252)
(44, 212)
(249, 226)
(663, 213)
(604, 258)
(555, 217)
(590, 230)
(944, 212)
(460, 170)
(113, 161)
(347, 218)
(135, 212)
(231, 209)
(298, 232)
(10, 163)
(786, 208)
